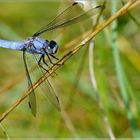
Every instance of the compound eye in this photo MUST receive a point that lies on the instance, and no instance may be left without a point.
(52, 44)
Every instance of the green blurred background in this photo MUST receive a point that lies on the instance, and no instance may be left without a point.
(117, 72)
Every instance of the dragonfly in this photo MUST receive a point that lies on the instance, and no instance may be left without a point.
(36, 45)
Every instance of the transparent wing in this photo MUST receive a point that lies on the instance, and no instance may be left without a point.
(32, 97)
(58, 18)
(70, 15)
(51, 95)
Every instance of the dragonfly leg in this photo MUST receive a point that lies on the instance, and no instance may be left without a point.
(39, 63)
(46, 63)
(51, 60)
(56, 59)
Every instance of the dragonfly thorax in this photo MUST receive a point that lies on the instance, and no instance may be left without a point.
(40, 46)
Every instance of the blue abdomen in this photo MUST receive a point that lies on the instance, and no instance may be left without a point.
(11, 45)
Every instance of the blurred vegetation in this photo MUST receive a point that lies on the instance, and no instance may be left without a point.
(116, 65)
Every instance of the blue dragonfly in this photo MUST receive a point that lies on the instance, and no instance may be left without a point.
(35, 45)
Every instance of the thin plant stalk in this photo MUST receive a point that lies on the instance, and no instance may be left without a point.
(93, 79)
(120, 74)
(98, 99)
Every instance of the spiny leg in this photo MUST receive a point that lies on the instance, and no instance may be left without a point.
(54, 57)
(50, 58)
(39, 63)
(43, 59)
(46, 63)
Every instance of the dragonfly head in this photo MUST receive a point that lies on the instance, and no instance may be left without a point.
(51, 47)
